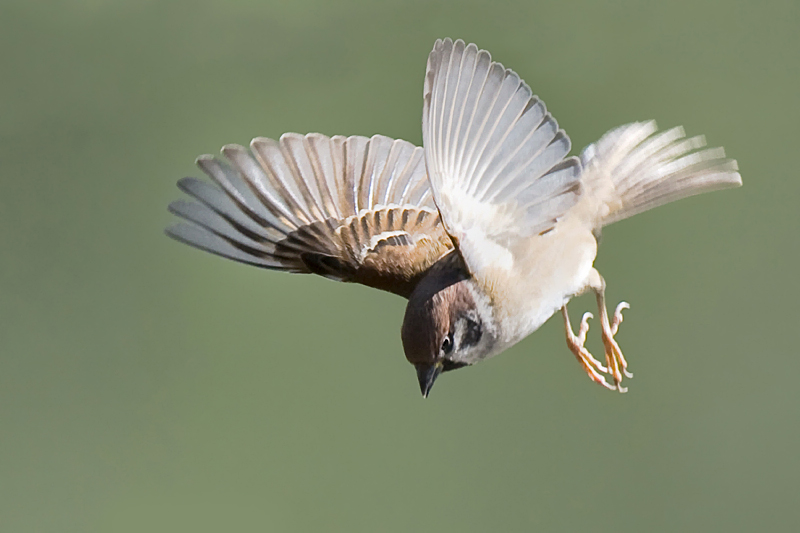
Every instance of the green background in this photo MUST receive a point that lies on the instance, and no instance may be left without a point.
(146, 386)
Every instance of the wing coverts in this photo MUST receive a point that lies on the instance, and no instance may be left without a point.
(348, 208)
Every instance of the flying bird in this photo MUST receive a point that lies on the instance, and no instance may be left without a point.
(488, 229)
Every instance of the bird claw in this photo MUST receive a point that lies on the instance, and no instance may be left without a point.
(592, 366)
(618, 316)
(584, 328)
(616, 365)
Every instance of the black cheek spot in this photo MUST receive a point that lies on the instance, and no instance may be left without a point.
(473, 334)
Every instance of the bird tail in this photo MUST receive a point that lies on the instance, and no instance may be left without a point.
(634, 168)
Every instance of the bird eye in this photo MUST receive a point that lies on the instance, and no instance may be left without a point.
(447, 344)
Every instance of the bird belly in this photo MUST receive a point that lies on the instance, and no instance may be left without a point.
(546, 275)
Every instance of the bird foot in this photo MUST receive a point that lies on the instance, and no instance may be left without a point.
(592, 366)
(617, 365)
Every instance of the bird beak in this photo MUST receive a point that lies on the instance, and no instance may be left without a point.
(427, 374)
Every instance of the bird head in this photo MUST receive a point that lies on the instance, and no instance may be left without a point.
(445, 328)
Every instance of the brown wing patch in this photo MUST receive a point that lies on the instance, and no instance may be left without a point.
(348, 208)
(388, 248)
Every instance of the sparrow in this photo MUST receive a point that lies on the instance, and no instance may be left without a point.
(488, 229)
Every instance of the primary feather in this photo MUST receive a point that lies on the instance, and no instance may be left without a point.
(348, 208)
(495, 156)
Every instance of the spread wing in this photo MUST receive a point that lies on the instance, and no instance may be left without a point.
(352, 209)
(495, 155)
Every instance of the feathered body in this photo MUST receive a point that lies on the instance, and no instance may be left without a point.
(488, 229)
(525, 218)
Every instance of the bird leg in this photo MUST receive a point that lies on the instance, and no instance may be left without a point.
(617, 366)
(615, 361)
(592, 366)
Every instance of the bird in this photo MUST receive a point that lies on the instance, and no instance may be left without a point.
(488, 229)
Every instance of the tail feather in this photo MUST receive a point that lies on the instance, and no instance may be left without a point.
(633, 168)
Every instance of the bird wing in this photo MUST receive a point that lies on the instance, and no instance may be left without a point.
(495, 156)
(351, 209)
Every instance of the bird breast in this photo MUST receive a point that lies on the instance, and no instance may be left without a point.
(547, 271)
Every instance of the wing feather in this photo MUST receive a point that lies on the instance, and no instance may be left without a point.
(495, 156)
(349, 208)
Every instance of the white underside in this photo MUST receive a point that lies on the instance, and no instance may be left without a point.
(548, 271)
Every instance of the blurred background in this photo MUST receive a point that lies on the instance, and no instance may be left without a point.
(147, 386)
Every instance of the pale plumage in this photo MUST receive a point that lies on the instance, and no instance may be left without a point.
(488, 229)
(494, 154)
(634, 168)
(523, 216)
